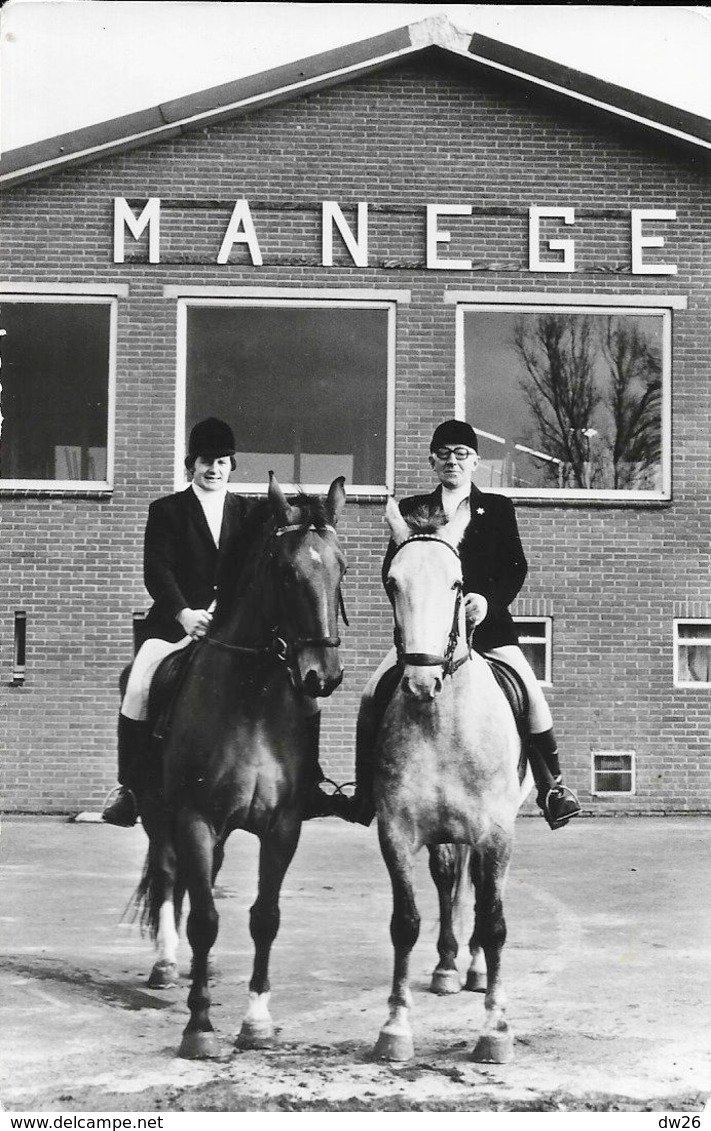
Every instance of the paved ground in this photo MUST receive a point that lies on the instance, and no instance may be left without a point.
(608, 968)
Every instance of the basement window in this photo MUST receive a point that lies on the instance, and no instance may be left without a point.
(613, 772)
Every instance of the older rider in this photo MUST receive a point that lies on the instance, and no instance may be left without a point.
(494, 568)
(193, 551)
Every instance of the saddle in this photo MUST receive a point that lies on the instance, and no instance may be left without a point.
(508, 680)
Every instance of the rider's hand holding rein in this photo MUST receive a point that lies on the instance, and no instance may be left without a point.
(194, 622)
(475, 608)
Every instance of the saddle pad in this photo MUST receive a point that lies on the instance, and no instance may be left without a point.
(513, 688)
(165, 686)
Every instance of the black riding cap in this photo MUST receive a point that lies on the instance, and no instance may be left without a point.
(454, 432)
(211, 439)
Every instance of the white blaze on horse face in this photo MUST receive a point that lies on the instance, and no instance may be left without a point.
(315, 556)
(425, 575)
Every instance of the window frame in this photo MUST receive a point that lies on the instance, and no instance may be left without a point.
(541, 303)
(290, 299)
(632, 755)
(688, 685)
(546, 640)
(76, 295)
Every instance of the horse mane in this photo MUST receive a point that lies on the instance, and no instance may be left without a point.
(422, 520)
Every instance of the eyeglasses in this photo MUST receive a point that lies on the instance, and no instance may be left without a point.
(460, 454)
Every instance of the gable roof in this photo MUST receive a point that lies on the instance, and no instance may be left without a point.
(330, 68)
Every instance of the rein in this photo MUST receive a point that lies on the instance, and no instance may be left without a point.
(426, 659)
(278, 648)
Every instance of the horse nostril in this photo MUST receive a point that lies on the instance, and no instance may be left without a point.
(437, 686)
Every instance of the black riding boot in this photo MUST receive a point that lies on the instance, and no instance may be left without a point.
(558, 802)
(133, 739)
(318, 803)
(369, 717)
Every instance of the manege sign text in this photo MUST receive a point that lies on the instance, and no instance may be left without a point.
(241, 230)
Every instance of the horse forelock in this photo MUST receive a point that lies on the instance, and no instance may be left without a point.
(311, 511)
(423, 521)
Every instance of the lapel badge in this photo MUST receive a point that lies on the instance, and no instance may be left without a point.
(479, 510)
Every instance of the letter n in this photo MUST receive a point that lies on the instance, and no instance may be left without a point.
(357, 247)
(149, 218)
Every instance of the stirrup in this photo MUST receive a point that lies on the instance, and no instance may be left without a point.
(321, 804)
(559, 806)
(123, 810)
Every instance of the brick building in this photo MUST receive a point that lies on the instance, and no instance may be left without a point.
(336, 255)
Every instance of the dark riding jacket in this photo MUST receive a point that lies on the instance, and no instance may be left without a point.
(182, 566)
(493, 561)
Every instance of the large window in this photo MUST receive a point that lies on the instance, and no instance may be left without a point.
(306, 386)
(568, 400)
(56, 388)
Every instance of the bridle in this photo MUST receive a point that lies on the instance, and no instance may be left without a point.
(426, 659)
(278, 647)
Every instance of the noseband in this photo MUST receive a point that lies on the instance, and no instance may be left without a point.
(426, 659)
(278, 647)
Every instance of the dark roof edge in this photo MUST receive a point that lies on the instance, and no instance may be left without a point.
(277, 84)
(579, 84)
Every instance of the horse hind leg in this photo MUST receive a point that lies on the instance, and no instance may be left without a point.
(395, 1040)
(276, 853)
(195, 843)
(444, 866)
(489, 869)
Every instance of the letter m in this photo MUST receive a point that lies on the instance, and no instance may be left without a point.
(149, 218)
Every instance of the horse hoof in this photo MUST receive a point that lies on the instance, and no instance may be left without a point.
(255, 1035)
(163, 976)
(199, 1046)
(475, 982)
(494, 1048)
(445, 982)
(394, 1046)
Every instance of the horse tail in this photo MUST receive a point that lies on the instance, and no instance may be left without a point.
(462, 891)
(158, 882)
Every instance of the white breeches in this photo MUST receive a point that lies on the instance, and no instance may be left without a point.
(539, 715)
(148, 657)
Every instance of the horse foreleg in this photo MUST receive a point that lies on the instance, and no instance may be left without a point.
(395, 1039)
(489, 869)
(195, 843)
(276, 852)
(165, 969)
(445, 976)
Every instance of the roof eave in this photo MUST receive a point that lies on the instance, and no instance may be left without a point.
(182, 115)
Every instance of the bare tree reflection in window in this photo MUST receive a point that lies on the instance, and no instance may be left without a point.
(593, 388)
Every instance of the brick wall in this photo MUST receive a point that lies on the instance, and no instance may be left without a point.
(612, 577)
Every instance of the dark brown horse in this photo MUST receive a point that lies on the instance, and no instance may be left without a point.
(235, 753)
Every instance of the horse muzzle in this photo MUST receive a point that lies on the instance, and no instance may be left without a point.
(319, 685)
(423, 684)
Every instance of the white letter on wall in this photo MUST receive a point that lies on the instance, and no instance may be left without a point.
(639, 242)
(434, 237)
(535, 263)
(149, 218)
(241, 230)
(358, 247)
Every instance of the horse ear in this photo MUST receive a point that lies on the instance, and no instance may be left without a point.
(283, 511)
(336, 499)
(398, 527)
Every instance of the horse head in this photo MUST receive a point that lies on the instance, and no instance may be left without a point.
(308, 567)
(424, 584)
